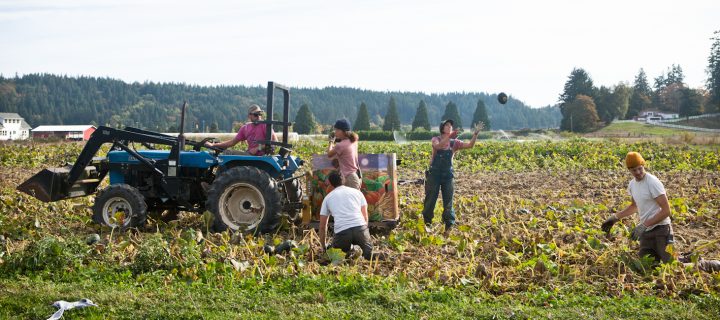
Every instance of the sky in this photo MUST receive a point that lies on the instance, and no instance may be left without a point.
(524, 48)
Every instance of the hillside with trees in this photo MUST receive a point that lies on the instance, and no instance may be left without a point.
(46, 99)
(585, 107)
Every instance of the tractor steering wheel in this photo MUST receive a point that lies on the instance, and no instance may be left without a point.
(201, 144)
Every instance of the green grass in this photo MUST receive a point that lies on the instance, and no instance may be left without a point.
(710, 123)
(328, 297)
(634, 129)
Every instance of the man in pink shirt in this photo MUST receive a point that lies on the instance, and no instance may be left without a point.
(252, 132)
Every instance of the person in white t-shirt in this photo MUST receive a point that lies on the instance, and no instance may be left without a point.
(348, 208)
(650, 201)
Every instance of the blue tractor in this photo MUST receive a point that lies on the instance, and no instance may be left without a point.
(244, 192)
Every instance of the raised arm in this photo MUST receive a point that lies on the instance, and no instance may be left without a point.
(331, 150)
(478, 127)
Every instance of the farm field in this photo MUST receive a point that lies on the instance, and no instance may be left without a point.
(528, 245)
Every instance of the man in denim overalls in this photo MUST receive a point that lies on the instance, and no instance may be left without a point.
(440, 176)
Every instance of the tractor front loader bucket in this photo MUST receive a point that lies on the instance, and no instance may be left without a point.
(47, 185)
(52, 184)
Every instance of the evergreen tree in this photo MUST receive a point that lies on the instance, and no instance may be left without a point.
(578, 83)
(667, 89)
(451, 112)
(421, 117)
(675, 75)
(640, 97)
(214, 127)
(713, 71)
(641, 83)
(304, 120)
(480, 115)
(691, 103)
(392, 120)
(362, 121)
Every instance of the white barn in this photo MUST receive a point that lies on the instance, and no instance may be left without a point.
(13, 127)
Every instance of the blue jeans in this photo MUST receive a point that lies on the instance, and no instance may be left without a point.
(434, 184)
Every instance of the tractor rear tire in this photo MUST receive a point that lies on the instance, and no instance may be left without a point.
(120, 198)
(244, 199)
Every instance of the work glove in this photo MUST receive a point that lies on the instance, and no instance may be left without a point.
(639, 230)
(608, 224)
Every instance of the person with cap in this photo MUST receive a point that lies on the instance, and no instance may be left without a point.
(252, 132)
(344, 147)
(348, 208)
(650, 201)
(440, 176)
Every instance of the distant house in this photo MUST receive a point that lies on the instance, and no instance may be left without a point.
(13, 127)
(78, 132)
(654, 115)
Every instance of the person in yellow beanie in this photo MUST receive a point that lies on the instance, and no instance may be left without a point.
(650, 201)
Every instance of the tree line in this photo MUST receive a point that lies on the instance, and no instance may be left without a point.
(585, 107)
(47, 99)
(305, 119)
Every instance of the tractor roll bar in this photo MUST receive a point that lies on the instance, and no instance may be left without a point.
(270, 121)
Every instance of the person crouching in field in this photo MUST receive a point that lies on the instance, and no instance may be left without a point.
(252, 132)
(346, 152)
(440, 177)
(349, 210)
(650, 201)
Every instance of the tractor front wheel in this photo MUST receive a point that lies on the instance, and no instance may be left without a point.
(244, 199)
(120, 206)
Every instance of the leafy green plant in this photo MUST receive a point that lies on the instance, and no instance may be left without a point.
(335, 255)
(153, 254)
(47, 254)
